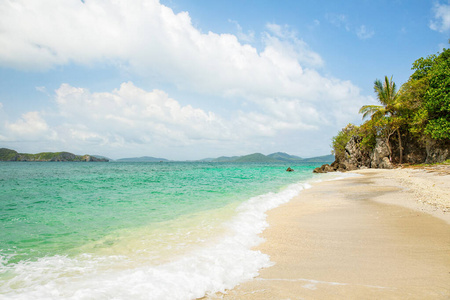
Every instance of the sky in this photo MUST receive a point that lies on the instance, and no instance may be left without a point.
(193, 79)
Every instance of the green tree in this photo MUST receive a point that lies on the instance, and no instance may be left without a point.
(411, 98)
(426, 96)
(437, 98)
(341, 139)
(386, 117)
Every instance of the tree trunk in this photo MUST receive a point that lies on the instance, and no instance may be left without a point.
(389, 148)
(400, 145)
(388, 144)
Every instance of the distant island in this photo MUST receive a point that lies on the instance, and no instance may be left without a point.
(12, 155)
(274, 157)
(278, 157)
(255, 157)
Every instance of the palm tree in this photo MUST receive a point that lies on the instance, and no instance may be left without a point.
(387, 94)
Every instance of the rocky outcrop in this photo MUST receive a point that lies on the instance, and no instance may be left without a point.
(414, 152)
(335, 166)
(379, 158)
(94, 159)
(355, 157)
(437, 152)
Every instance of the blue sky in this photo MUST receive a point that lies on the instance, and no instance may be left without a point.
(186, 79)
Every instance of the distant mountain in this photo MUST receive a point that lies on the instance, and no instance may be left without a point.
(103, 157)
(256, 157)
(205, 160)
(142, 159)
(281, 156)
(320, 159)
(12, 155)
(274, 157)
(225, 159)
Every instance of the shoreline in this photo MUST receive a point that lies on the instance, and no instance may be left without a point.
(385, 234)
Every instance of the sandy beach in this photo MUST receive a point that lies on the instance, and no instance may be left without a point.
(382, 235)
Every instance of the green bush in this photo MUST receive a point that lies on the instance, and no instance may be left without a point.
(342, 138)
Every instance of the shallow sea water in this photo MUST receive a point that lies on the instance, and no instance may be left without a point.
(135, 230)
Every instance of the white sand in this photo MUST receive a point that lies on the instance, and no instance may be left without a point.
(383, 235)
(428, 188)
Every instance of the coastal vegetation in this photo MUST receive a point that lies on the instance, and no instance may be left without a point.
(12, 155)
(410, 125)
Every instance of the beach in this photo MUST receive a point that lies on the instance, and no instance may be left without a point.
(383, 234)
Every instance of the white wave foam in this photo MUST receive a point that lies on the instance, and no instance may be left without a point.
(211, 269)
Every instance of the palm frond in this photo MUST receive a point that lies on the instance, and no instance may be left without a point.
(371, 110)
(379, 90)
(386, 91)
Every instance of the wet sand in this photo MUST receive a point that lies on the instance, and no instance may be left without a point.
(383, 235)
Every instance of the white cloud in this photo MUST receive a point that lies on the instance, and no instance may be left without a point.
(132, 119)
(135, 115)
(363, 33)
(30, 127)
(441, 21)
(139, 116)
(315, 24)
(41, 89)
(244, 37)
(285, 42)
(281, 83)
(152, 41)
(338, 20)
(341, 21)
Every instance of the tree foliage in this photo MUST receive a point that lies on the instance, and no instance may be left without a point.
(420, 108)
(342, 138)
(385, 118)
(437, 98)
(426, 97)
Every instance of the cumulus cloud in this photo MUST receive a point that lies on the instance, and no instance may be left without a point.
(30, 127)
(139, 116)
(135, 115)
(285, 42)
(151, 40)
(281, 81)
(441, 21)
(130, 117)
(241, 35)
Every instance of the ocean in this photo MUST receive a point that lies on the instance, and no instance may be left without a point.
(169, 230)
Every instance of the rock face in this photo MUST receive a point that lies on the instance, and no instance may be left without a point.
(379, 158)
(436, 152)
(355, 157)
(414, 152)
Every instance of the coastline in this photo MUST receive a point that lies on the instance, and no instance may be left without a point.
(385, 234)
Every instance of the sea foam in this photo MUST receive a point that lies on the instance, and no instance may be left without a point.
(213, 268)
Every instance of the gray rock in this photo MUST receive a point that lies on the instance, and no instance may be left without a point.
(380, 156)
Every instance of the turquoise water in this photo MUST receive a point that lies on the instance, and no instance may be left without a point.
(118, 218)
